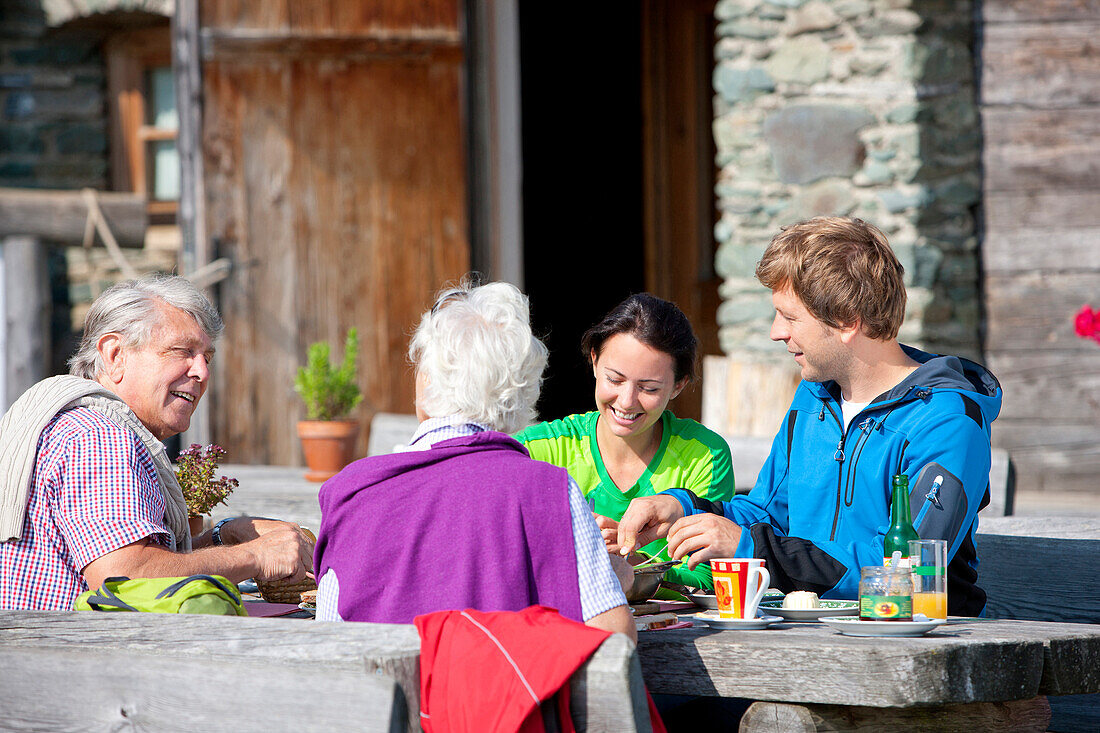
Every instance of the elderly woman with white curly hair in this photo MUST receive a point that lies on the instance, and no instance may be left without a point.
(465, 518)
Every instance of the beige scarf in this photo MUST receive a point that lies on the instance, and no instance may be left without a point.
(23, 424)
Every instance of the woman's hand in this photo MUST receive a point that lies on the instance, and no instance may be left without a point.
(623, 571)
(609, 529)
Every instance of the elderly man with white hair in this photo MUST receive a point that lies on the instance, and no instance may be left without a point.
(465, 518)
(86, 489)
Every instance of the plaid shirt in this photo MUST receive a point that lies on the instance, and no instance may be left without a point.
(94, 490)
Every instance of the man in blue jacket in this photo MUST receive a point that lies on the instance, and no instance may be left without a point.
(868, 408)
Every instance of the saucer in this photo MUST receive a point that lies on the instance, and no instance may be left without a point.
(711, 619)
(919, 626)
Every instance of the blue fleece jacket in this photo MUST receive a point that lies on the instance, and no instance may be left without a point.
(821, 505)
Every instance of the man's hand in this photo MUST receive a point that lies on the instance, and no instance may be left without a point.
(703, 536)
(281, 553)
(647, 519)
(245, 529)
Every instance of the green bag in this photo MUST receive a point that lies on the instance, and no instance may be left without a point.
(209, 594)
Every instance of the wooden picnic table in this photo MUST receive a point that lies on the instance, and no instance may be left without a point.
(806, 671)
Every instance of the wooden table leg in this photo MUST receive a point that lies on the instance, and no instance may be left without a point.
(1016, 715)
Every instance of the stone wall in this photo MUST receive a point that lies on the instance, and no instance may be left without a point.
(54, 133)
(863, 108)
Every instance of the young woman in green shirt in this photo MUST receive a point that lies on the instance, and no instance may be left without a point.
(642, 355)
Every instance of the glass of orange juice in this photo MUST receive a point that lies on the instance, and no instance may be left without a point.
(928, 566)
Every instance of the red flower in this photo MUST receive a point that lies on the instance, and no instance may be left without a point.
(1087, 323)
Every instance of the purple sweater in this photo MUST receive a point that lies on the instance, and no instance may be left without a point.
(471, 523)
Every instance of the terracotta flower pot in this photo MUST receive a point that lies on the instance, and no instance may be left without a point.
(328, 445)
(197, 525)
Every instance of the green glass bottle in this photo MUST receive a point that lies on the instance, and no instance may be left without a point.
(901, 523)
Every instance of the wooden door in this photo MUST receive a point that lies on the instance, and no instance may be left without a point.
(678, 158)
(335, 181)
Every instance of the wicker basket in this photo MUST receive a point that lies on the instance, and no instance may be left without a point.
(281, 591)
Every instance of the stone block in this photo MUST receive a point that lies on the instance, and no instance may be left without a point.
(773, 206)
(733, 287)
(738, 85)
(735, 259)
(724, 229)
(870, 210)
(903, 113)
(926, 266)
(959, 192)
(868, 64)
(825, 198)
(751, 308)
(956, 110)
(746, 339)
(728, 48)
(848, 9)
(736, 129)
(905, 140)
(900, 199)
(813, 16)
(747, 29)
(958, 268)
(786, 3)
(801, 60)
(873, 173)
(740, 204)
(811, 142)
(935, 63)
(890, 23)
(730, 9)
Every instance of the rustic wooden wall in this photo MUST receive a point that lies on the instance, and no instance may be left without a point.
(335, 181)
(1040, 98)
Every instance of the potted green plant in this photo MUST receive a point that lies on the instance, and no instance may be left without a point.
(330, 393)
(195, 469)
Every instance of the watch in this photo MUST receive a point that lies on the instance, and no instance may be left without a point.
(216, 534)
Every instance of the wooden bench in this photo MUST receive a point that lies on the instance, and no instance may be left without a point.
(1044, 569)
(72, 670)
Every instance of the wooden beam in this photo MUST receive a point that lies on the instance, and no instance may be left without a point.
(62, 215)
(246, 44)
(196, 254)
(25, 308)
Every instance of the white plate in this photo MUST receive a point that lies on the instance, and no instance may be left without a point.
(919, 626)
(711, 619)
(312, 610)
(709, 600)
(828, 608)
